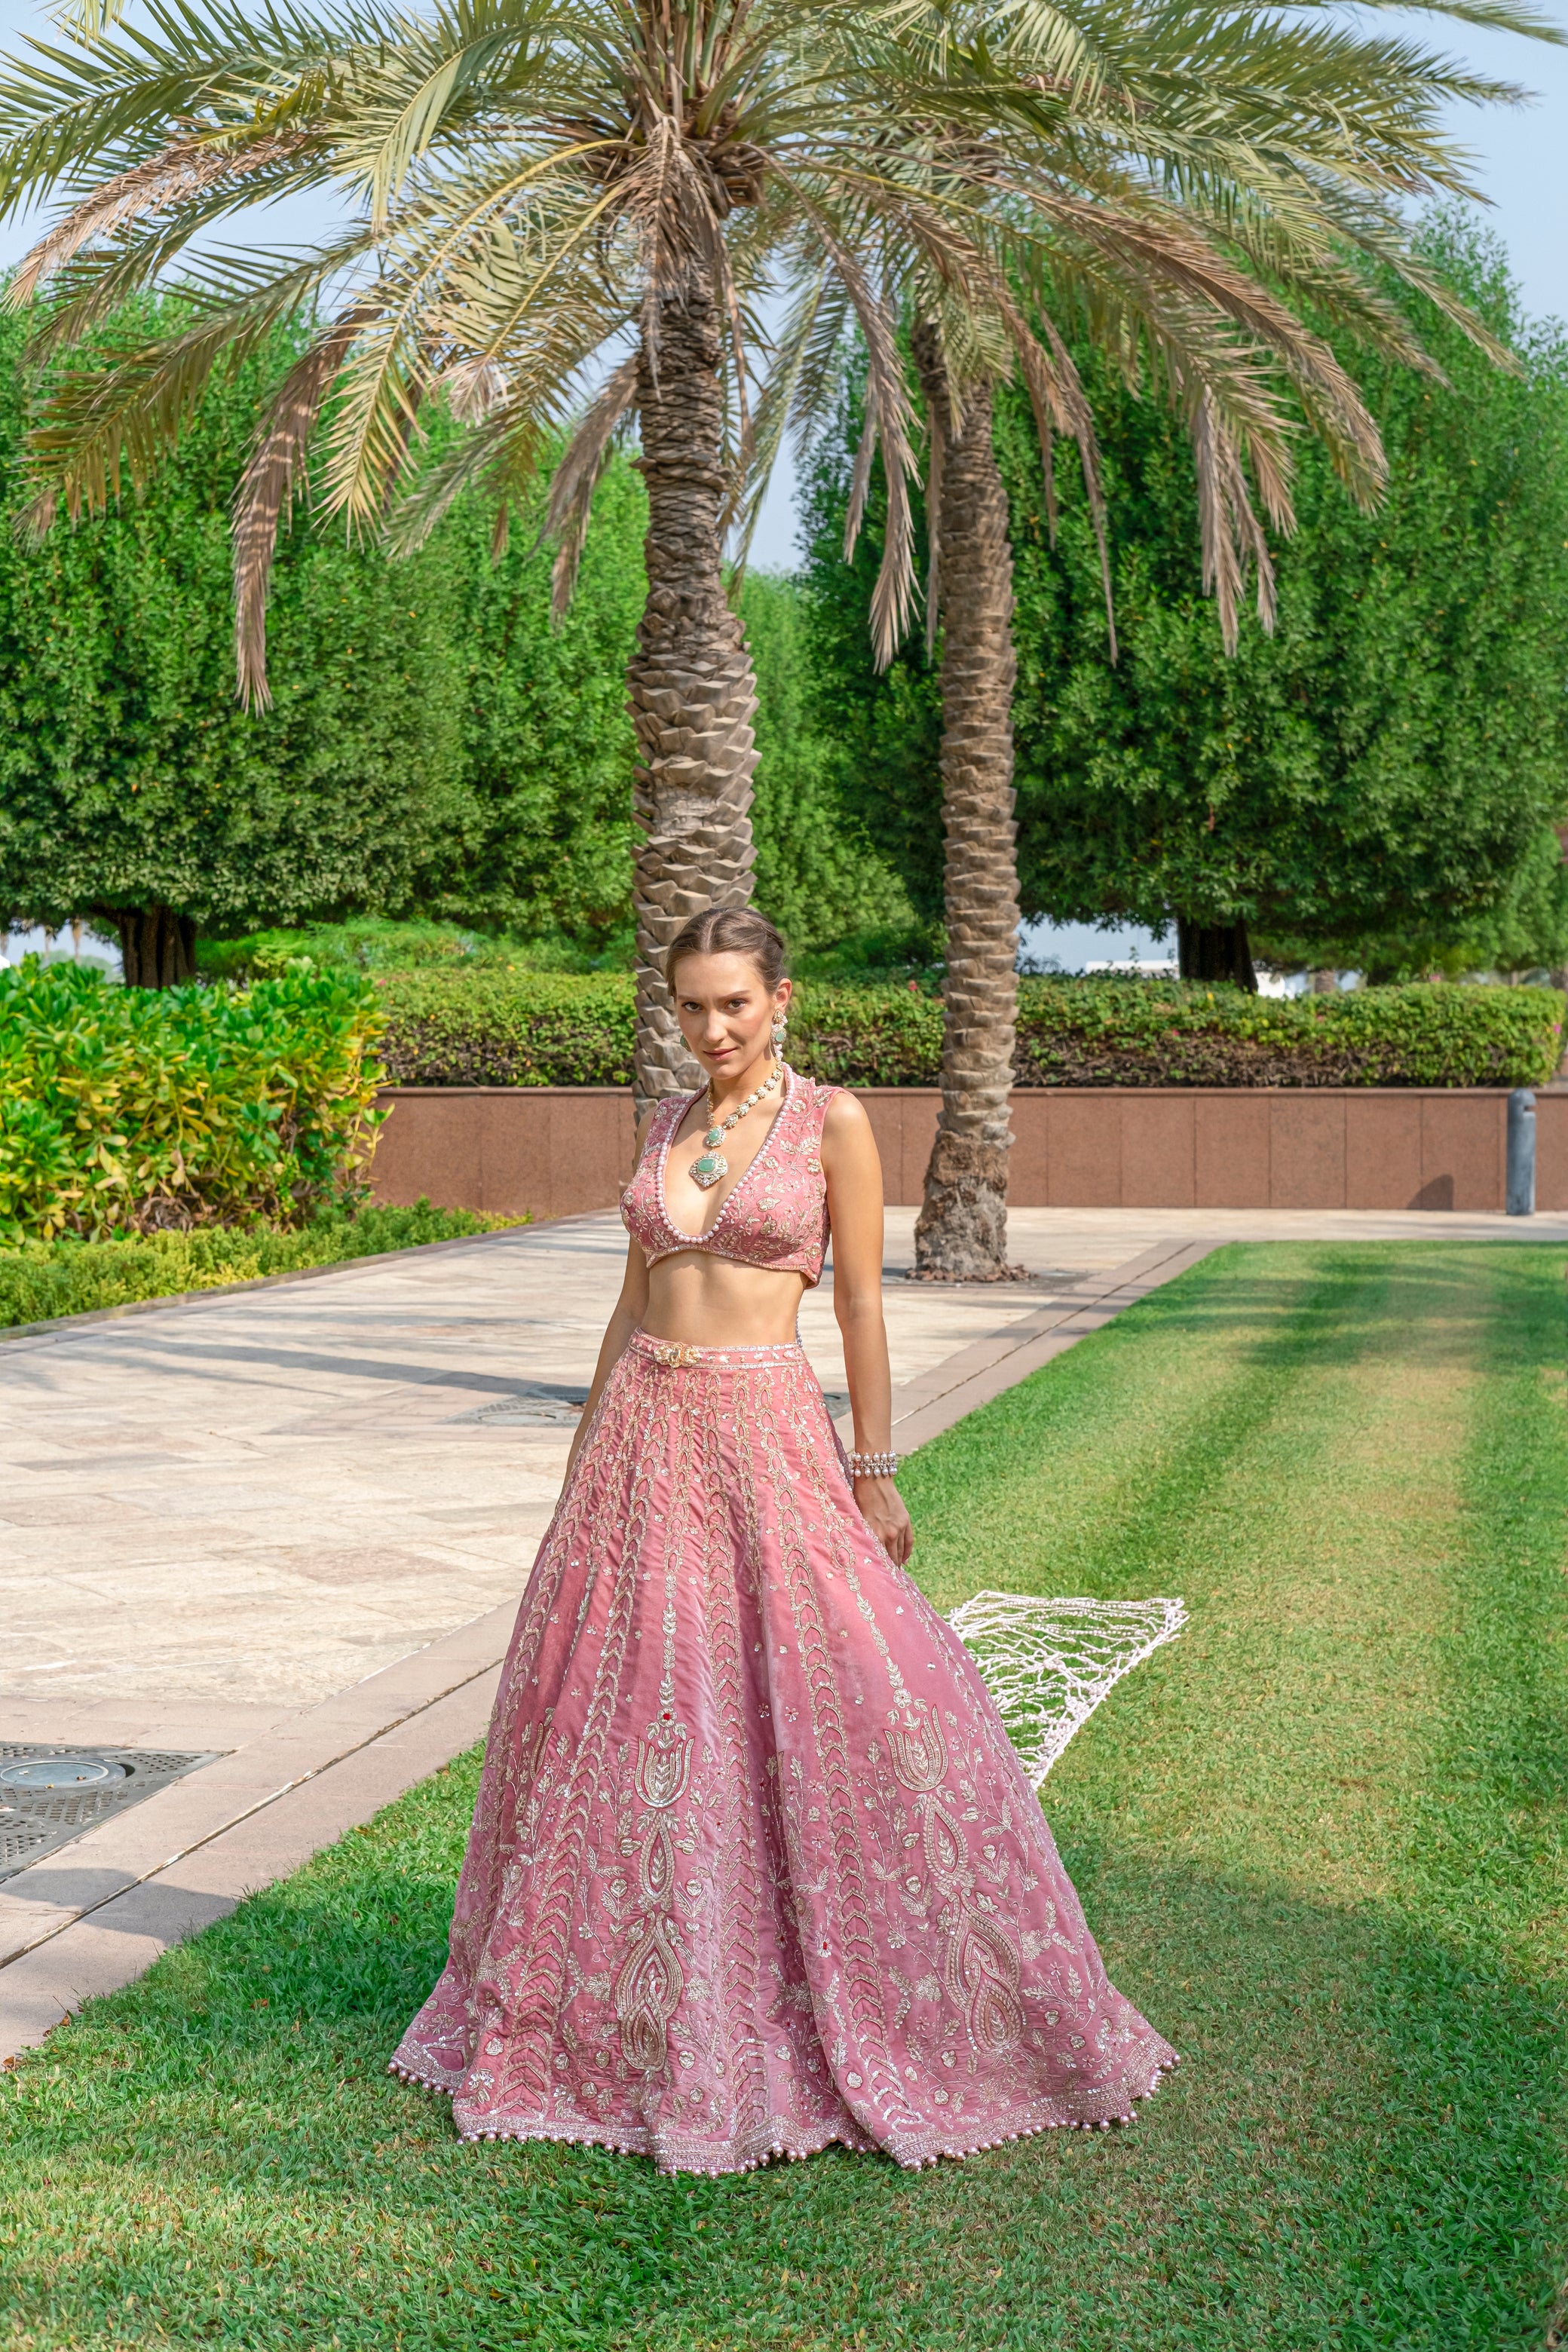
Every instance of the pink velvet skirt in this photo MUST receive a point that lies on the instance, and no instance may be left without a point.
(753, 1867)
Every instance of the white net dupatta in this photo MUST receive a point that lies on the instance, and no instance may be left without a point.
(1049, 1664)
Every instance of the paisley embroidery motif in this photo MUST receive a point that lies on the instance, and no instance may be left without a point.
(982, 1971)
(945, 1852)
(980, 1967)
(646, 1996)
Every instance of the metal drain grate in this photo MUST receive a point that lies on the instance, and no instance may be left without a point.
(542, 1403)
(49, 1795)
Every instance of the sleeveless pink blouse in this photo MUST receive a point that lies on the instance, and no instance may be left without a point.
(776, 1216)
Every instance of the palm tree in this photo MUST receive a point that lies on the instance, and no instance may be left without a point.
(540, 192)
(1213, 177)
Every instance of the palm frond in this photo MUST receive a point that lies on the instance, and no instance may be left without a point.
(1230, 531)
(577, 476)
(184, 172)
(268, 485)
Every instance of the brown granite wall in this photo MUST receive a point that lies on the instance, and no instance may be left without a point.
(554, 1150)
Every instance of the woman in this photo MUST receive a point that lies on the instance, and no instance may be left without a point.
(753, 1867)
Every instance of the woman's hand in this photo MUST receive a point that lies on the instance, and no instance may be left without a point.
(882, 1509)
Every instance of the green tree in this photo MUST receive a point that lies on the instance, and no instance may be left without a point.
(817, 875)
(439, 740)
(543, 840)
(1390, 761)
(1375, 782)
(133, 788)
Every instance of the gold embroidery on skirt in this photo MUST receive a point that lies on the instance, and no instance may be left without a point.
(920, 1752)
(649, 1988)
(980, 1965)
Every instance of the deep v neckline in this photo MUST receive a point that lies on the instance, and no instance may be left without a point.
(698, 1241)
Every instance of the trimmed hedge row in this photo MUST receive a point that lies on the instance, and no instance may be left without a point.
(1130, 1033)
(488, 1028)
(130, 1110)
(498, 1029)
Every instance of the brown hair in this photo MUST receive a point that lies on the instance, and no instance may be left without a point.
(729, 930)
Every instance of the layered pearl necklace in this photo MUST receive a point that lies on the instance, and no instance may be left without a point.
(711, 1167)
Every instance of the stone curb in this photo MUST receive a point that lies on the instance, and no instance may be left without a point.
(126, 1889)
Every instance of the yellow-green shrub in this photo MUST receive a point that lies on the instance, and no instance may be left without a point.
(128, 1110)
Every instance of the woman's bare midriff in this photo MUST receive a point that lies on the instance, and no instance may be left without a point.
(702, 1301)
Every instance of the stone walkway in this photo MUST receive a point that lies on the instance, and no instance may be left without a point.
(292, 1525)
(249, 1503)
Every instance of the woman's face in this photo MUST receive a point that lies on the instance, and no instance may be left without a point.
(726, 1011)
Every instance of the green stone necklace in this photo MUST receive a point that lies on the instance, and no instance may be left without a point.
(710, 1165)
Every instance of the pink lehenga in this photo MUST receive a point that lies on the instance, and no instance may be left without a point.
(753, 1867)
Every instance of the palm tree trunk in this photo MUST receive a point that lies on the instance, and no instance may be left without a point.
(961, 1232)
(692, 689)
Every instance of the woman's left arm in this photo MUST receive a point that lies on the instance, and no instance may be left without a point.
(854, 1174)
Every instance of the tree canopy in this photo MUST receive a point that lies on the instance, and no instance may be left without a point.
(436, 743)
(1378, 781)
(432, 741)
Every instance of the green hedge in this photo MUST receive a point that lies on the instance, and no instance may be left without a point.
(1168, 1033)
(128, 1110)
(40, 1280)
(488, 1028)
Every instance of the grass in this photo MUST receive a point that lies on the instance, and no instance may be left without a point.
(1320, 1837)
(40, 1280)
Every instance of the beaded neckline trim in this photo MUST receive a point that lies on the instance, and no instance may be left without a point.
(704, 1240)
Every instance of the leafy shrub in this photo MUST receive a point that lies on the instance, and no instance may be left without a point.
(40, 1280)
(128, 1110)
(520, 1029)
(490, 1028)
(1167, 1034)
(374, 943)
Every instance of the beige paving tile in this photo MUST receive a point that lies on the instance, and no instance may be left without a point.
(257, 1499)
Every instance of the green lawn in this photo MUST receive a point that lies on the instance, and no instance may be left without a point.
(1320, 1837)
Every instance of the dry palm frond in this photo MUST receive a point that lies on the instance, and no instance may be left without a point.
(936, 467)
(268, 485)
(1231, 533)
(888, 421)
(473, 387)
(577, 476)
(804, 384)
(187, 170)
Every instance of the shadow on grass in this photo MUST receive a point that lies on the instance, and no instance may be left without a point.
(1350, 2157)
(1349, 1295)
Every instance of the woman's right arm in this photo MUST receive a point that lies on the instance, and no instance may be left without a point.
(630, 1308)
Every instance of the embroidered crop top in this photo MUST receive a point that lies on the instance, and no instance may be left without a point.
(775, 1216)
